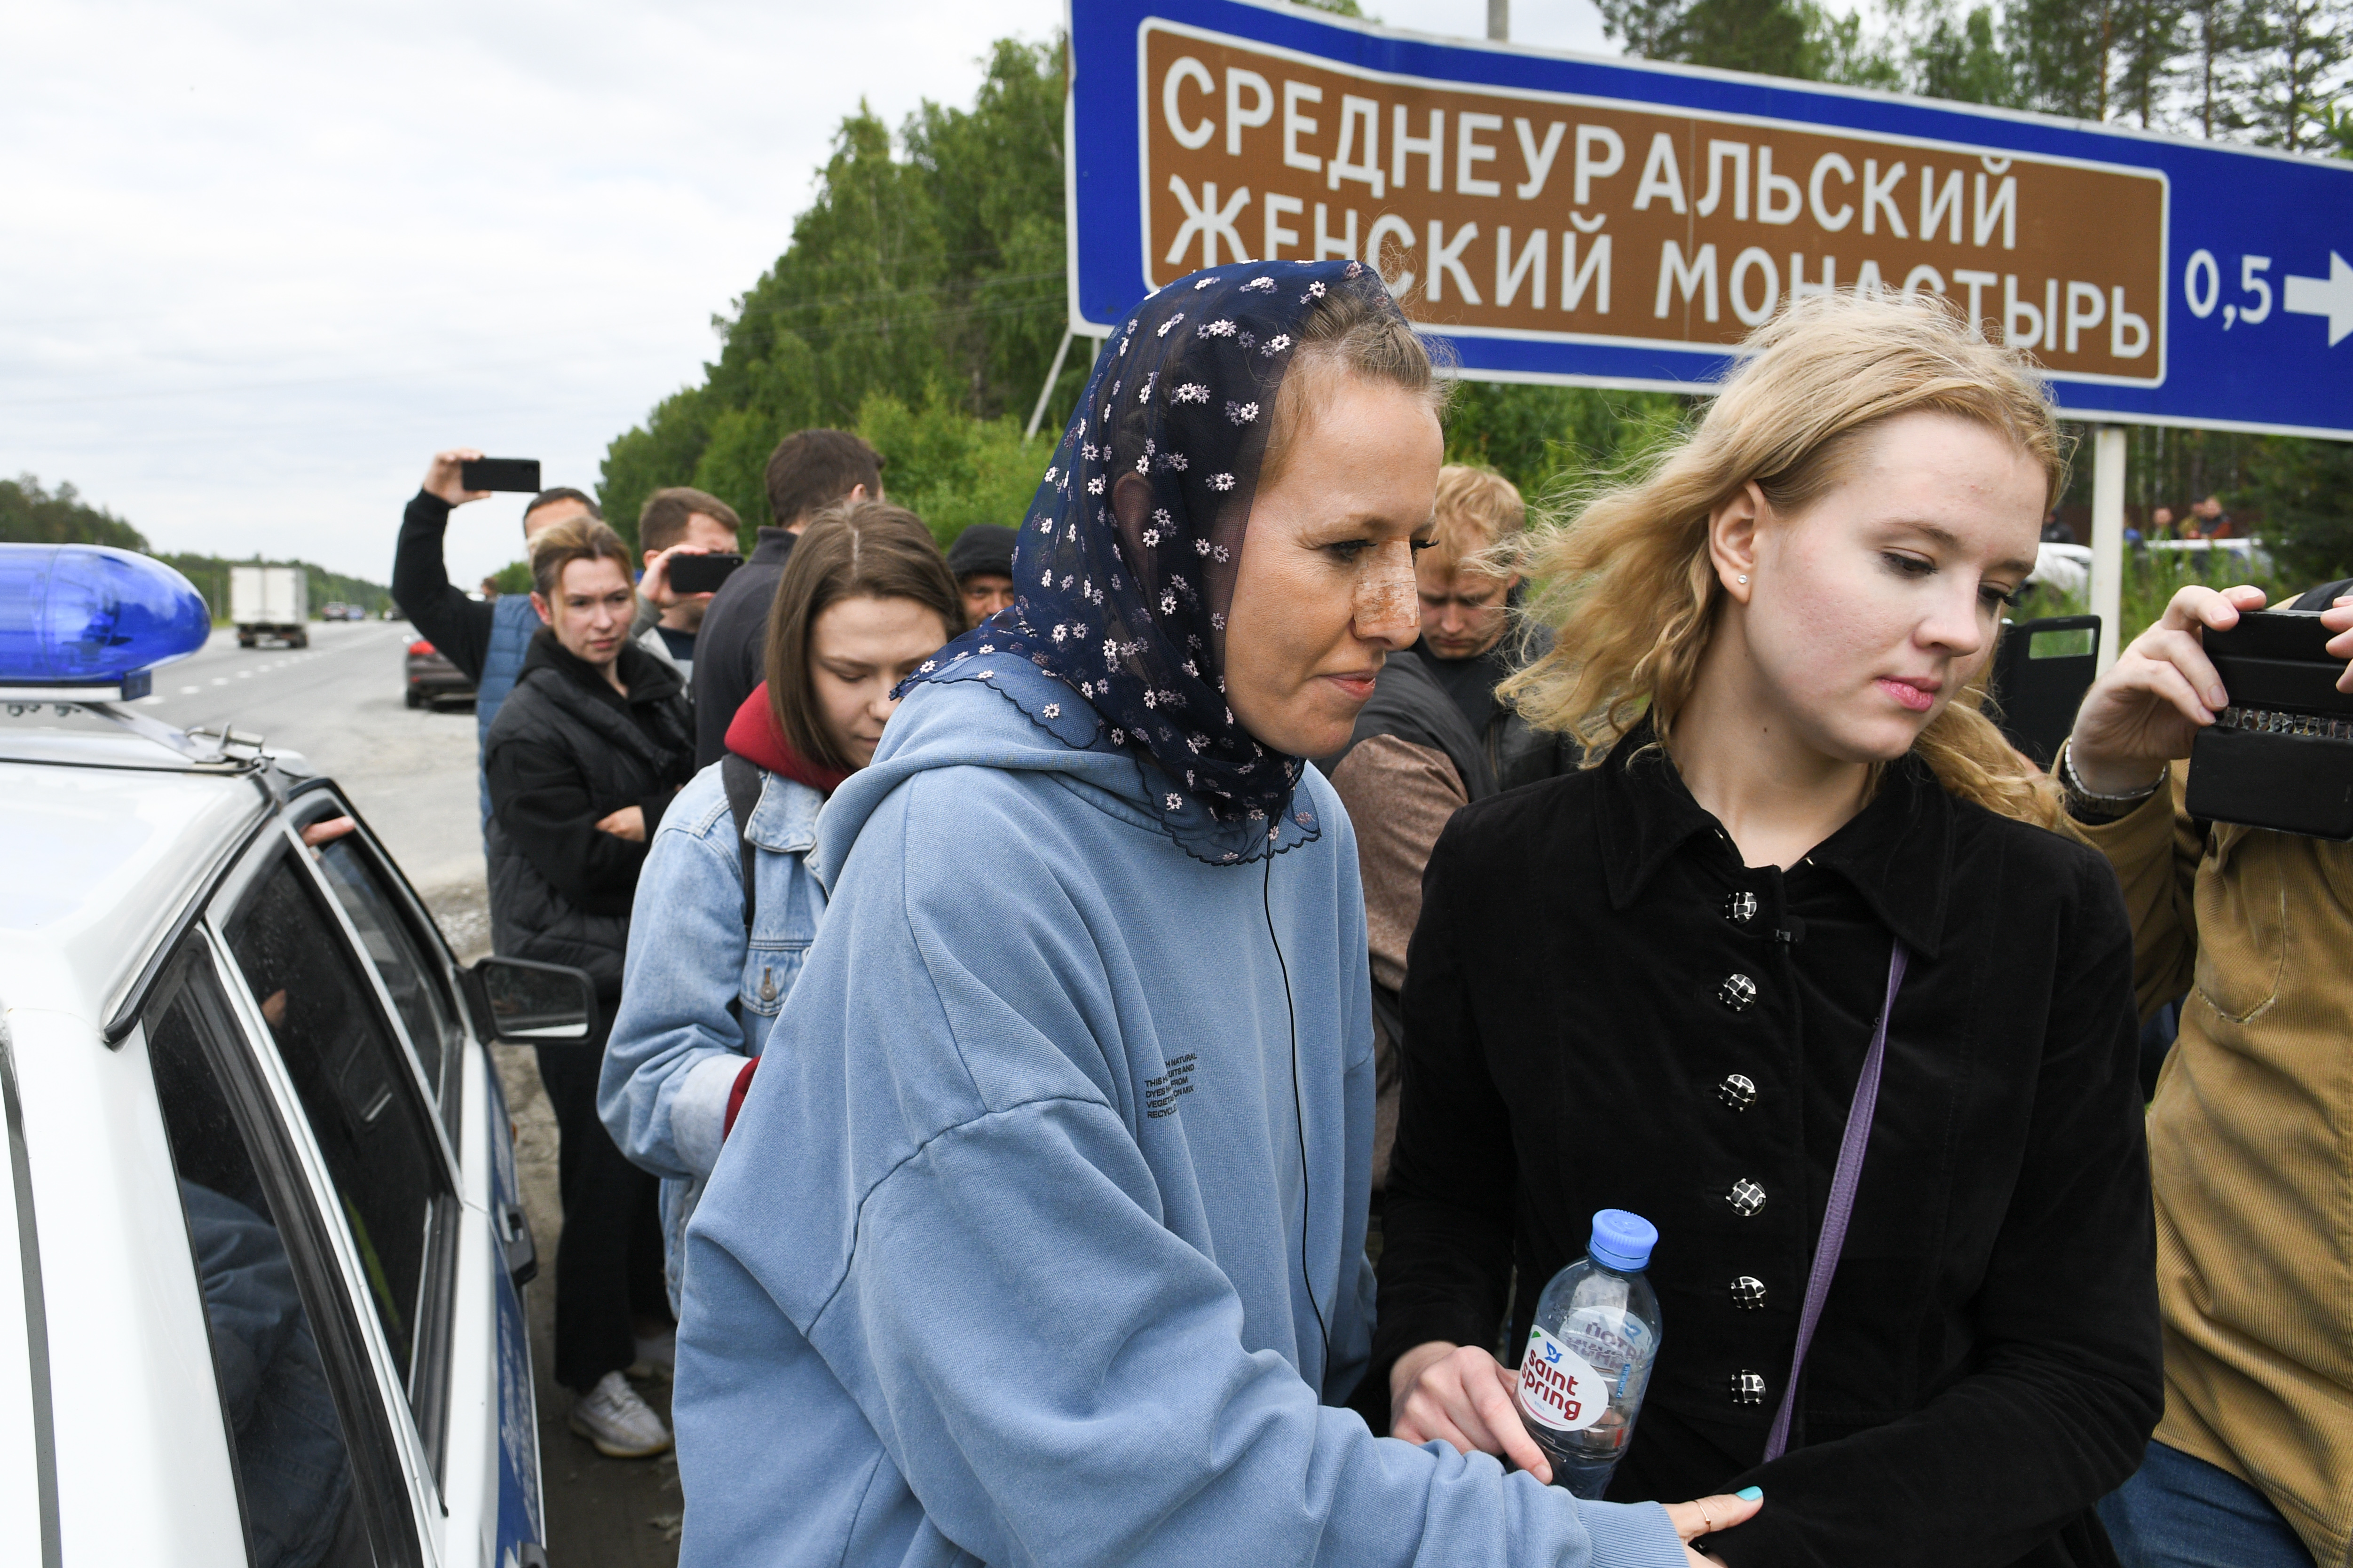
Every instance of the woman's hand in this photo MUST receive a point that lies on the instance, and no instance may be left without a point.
(629, 823)
(1694, 1520)
(2158, 694)
(1461, 1395)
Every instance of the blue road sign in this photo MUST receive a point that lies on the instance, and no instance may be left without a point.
(1569, 219)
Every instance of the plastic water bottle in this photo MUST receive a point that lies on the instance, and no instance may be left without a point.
(1588, 1357)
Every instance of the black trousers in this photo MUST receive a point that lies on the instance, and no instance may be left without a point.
(608, 1262)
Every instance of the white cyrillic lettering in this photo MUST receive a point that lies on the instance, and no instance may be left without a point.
(1976, 283)
(2050, 314)
(1367, 166)
(1296, 126)
(1749, 260)
(1770, 185)
(1591, 168)
(1538, 159)
(1237, 117)
(1878, 195)
(1277, 236)
(1328, 244)
(1209, 220)
(2086, 307)
(1830, 162)
(1926, 277)
(1446, 258)
(1574, 279)
(1799, 288)
(1872, 286)
(1935, 204)
(1432, 147)
(2004, 208)
(1184, 71)
(1675, 273)
(1386, 224)
(1510, 274)
(1469, 150)
(2123, 324)
(1661, 176)
(1719, 153)
(2012, 308)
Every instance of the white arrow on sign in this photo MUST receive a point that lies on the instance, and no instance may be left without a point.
(2331, 296)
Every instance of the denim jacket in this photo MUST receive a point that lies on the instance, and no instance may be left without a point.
(697, 997)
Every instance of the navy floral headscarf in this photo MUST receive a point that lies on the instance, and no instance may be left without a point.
(1126, 561)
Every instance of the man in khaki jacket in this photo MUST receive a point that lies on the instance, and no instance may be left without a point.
(2250, 1131)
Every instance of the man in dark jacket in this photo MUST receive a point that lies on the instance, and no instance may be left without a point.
(1468, 641)
(809, 471)
(485, 639)
(981, 559)
(586, 753)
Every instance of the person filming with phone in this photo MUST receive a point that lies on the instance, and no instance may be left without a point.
(2250, 1131)
(688, 538)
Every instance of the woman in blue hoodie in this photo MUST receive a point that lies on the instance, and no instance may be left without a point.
(1040, 1236)
(725, 915)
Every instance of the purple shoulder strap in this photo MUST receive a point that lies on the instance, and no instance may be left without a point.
(1841, 1203)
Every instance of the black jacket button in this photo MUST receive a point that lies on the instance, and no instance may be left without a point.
(1738, 1091)
(1746, 1387)
(1738, 992)
(1740, 908)
(1746, 1198)
(1748, 1293)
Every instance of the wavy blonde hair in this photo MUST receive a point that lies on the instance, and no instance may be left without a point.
(1629, 589)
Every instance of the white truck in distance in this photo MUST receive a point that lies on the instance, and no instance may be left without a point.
(270, 602)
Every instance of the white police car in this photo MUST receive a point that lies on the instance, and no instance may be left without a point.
(260, 1240)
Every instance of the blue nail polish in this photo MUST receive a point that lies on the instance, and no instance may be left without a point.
(1749, 1494)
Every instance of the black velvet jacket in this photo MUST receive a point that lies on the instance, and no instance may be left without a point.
(1579, 1037)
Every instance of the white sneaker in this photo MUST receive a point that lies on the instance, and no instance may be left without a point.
(621, 1425)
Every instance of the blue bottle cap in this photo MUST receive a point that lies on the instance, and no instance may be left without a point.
(1621, 1241)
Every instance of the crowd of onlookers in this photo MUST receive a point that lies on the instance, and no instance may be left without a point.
(1285, 847)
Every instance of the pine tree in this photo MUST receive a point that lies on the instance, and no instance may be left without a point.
(2300, 49)
(2147, 55)
(2214, 78)
(1769, 37)
(2058, 50)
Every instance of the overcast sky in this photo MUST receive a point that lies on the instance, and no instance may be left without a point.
(258, 261)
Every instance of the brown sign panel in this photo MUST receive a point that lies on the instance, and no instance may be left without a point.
(1506, 213)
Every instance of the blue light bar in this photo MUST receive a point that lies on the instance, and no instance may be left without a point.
(84, 615)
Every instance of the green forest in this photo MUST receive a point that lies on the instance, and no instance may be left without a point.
(31, 513)
(922, 297)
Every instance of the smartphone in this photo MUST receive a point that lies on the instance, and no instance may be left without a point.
(501, 474)
(701, 573)
(2281, 755)
(2040, 676)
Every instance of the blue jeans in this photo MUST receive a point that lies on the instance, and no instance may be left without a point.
(2179, 1512)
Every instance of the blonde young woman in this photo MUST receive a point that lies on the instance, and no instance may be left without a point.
(1654, 985)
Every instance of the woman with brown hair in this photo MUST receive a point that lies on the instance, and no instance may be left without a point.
(727, 906)
(1794, 968)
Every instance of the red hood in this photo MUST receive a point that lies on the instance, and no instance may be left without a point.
(753, 735)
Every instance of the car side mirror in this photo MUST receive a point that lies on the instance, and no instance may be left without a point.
(521, 1002)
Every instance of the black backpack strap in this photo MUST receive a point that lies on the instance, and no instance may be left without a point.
(741, 777)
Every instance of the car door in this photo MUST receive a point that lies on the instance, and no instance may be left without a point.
(481, 1427)
(346, 1083)
(315, 1453)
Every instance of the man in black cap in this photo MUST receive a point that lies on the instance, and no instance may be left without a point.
(982, 560)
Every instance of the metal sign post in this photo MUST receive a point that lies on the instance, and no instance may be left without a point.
(1617, 223)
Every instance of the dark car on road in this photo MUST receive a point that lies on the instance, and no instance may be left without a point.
(432, 678)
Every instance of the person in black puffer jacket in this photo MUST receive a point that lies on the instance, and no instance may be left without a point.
(591, 747)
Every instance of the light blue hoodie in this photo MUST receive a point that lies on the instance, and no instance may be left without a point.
(1027, 1245)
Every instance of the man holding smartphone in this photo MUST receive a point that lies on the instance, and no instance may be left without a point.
(677, 525)
(2249, 1137)
(486, 640)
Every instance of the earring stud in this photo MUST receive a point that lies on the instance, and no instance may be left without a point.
(1744, 579)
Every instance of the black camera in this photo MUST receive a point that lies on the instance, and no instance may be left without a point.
(2281, 755)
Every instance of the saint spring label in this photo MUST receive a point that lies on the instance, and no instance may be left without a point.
(1558, 1388)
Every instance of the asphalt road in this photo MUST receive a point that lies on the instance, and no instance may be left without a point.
(411, 774)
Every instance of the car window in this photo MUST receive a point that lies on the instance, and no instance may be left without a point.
(402, 962)
(288, 1443)
(355, 1088)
